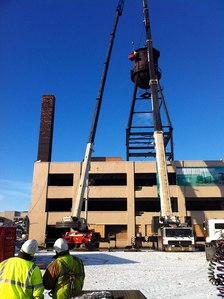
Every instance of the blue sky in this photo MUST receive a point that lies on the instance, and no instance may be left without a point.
(59, 47)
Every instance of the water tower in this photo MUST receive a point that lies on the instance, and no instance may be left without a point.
(140, 127)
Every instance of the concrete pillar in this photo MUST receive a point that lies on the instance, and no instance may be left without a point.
(37, 212)
(181, 203)
(130, 202)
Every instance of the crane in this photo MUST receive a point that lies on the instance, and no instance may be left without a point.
(80, 233)
(166, 211)
(172, 234)
(169, 234)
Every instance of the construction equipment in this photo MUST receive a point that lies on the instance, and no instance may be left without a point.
(171, 234)
(7, 242)
(80, 235)
(214, 236)
(214, 249)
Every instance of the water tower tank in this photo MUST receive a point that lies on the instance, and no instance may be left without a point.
(140, 72)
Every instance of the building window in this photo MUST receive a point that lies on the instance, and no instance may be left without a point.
(60, 179)
(116, 231)
(152, 205)
(108, 179)
(174, 204)
(200, 176)
(145, 179)
(53, 233)
(204, 204)
(108, 204)
(149, 179)
(59, 205)
(172, 178)
(146, 205)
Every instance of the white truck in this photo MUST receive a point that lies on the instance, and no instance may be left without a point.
(214, 231)
(176, 239)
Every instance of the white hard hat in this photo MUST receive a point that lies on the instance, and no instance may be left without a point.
(30, 247)
(60, 245)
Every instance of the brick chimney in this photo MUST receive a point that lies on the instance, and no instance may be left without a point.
(46, 128)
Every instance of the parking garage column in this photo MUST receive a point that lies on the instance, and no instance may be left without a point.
(37, 212)
(130, 202)
(181, 203)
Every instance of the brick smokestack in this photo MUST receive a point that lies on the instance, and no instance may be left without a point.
(46, 128)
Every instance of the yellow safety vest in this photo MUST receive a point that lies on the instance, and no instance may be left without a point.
(71, 278)
(20, 279)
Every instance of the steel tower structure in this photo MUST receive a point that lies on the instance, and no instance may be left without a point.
(147, 114)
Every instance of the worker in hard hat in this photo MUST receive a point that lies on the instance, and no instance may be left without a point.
(20, 278)
(65, 275)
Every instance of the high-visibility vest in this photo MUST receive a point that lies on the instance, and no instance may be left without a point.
(20, 279)
(71, 278)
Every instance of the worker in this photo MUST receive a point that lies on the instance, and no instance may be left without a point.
(20, 278)
(65, 275)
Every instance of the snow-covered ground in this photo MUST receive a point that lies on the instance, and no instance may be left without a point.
(156, 274)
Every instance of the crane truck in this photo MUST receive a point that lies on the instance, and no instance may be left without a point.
(172, 235)
(79, 234)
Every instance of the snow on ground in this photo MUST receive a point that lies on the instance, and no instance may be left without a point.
(156, 274)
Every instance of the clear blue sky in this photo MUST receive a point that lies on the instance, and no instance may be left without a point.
(59, 47)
